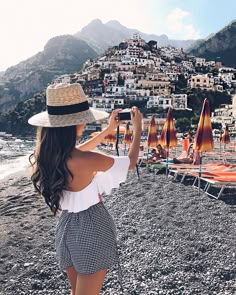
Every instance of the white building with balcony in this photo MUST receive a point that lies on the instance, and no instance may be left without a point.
(159, 101)
(223, 114)
(179, 101)
(106, 104)
(201, 81)
(115, 91)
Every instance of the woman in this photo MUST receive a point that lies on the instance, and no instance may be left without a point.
(72, 179)
(161, 152)
(192, 157)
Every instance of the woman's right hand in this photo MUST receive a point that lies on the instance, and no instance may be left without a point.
(136, 119)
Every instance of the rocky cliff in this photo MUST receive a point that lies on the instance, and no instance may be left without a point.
(221, 46)
(61, 55)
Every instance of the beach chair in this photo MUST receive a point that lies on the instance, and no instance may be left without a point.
(212, 174)
(181, 169)
(221, 181)
(193, 170)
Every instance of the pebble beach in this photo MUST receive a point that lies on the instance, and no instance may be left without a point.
(171, 240)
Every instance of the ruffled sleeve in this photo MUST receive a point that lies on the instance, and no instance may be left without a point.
(112, 178)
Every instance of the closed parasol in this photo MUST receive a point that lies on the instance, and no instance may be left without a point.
(203, 140)
(168, 138)
(128, 135)
(152, 140)
(225, 137)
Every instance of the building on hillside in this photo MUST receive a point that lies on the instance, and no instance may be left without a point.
(94, 74)
(227, 76)
(201, 81)
(156, 87)
(93, 87)
(179, 101)
(176, 101)
(135, 39)
(234, 106)
(188, 65)
(63, 79)
(173, 77)
(106, 103)
(115, 91)
(223, 114)
(199, 61)
(160, 101)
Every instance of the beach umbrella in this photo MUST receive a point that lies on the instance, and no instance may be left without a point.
(152, 140)
(110, 138)
(203, 140)
(128, 135)
(225, 137)
(168, 138)
(152, 133)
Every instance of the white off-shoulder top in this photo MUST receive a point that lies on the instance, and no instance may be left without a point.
(103, 182)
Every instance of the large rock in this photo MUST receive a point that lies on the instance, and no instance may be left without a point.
(221, 46)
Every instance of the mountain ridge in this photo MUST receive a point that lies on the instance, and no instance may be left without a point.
(100, 35)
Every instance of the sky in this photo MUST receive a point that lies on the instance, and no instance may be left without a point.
(27, 25)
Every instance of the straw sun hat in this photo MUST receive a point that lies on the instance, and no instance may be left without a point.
(66, 105)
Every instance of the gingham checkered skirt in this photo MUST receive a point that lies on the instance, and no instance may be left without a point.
(86, 240)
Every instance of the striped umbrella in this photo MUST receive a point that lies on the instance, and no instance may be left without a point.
(152, 134)
(168, 138)
(203, 140)
(128, 135)
(110, 138)
(225, 137)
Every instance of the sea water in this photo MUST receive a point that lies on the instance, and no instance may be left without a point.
(14, 154)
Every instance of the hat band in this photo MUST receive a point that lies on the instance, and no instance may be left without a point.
(69, 109)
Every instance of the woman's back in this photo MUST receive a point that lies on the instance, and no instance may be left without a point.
(84, 166)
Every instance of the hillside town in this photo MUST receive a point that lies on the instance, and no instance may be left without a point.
(140, 72)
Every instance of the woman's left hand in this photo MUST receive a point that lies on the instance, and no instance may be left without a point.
(113, 120)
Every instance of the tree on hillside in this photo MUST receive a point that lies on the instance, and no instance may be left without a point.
(181, 84)
(196, 97)
(121, 81)
(183, 124)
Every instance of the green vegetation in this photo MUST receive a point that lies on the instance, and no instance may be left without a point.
(16, 121)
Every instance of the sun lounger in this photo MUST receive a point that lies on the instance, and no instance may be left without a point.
(193, 170)
(222, 182)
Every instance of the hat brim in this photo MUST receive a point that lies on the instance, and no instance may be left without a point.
(45, 120)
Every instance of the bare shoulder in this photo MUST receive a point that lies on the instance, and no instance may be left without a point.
(91, 161)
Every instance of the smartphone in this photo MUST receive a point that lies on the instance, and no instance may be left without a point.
(124, 116)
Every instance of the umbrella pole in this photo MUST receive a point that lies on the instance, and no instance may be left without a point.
(147, 157)
(199, 173)
(117, 140)
(137, 171)
(167, 159)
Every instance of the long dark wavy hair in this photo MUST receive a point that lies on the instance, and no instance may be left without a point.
(49, 161)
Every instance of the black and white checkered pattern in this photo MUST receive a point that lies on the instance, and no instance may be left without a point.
(86, 240)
